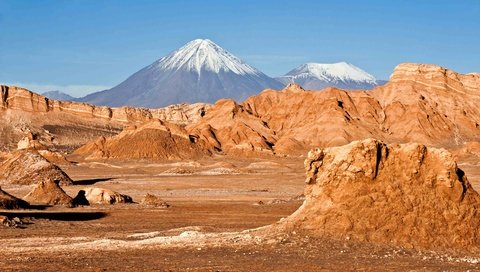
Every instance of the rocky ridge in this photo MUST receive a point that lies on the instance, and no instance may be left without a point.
(421, 103)
(61, 124)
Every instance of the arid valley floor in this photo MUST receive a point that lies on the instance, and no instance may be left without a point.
(255, 193)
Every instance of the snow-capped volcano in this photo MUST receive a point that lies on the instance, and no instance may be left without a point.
(200, 71)
(199, 55)
(319, 75)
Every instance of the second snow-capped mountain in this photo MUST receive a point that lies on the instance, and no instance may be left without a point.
(316, 76)
(200, 71)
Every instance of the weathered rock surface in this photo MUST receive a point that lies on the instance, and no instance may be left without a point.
(27, 166)
(95, 195)
(48, 192)
(231, 128)
(61, 123)
(404, 195)
(153, 140)
(30, 141)
(153, 200)
(7, 201)
(421, 103)
(16, 98)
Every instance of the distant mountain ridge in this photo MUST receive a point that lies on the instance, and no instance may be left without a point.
(58, 95)
(316, 76)
(200, 71)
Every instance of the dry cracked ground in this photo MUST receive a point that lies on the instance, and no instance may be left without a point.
(212, 203)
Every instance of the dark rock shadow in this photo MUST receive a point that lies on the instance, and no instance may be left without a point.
(91, 181)
(80, 199)
(57, 216)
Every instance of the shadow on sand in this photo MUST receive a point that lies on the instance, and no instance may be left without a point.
(58, 216)
(91, 181)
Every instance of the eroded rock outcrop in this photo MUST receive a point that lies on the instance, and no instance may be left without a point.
(404, 195)
(17, 98)
(153, 140)
(229, 127)
(7, 201)
(155, 201)
(49, 192)
(27, 166)
(66, 125)
(421, 103)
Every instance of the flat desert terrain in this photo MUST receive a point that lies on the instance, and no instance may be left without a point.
(212, 202)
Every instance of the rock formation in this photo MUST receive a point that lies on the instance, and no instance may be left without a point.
(421, 103)
(30, 141)
(63, 124)
(231, 128)
(153, 140)
(49, 192)
(95, 195)
(153, 200)
(403, 195)
(29, 167)
(16, 98)
(7, 201)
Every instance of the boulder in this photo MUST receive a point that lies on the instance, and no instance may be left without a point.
(97, 195)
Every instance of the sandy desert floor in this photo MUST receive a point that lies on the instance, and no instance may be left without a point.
(212, 202)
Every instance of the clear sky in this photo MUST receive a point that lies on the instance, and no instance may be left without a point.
(80, 46)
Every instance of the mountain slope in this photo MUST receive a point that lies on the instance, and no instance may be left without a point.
(200, 71)
(316, 76)
(58, 95)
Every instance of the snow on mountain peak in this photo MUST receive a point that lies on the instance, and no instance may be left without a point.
(203, 54)
(340, 71)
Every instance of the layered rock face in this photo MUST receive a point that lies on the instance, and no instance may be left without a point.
(61, 124)
(49, 192)
(404, 195)
(153, 140)
(16, 98)
(29, 167)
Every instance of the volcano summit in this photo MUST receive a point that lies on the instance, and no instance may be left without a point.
(200, 71)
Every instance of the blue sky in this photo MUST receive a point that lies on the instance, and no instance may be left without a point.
(80, 46)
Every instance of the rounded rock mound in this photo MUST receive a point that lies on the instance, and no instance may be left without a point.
(95, 195)
(403, 195)
(156, 139)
